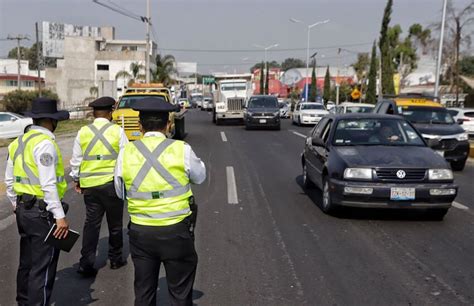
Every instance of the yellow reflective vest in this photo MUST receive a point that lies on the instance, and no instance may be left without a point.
(156, 183)
(100, 144)
(25, 170)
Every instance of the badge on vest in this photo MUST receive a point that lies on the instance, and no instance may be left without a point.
(98, 157)
(156, 194)
(18, 179)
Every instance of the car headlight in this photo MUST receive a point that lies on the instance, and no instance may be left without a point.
(440, 174)
(462, 137)
(358, 173)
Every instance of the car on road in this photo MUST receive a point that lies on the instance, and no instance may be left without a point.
(351, 107)
(284, 109)
(13, 125)
(308, 113)
(184, 103)
(207, 104)
(464, 117)
(262, 112)
(434, 122)
(376, 161)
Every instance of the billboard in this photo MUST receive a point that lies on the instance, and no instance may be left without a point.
(53, 34)
(186, 68)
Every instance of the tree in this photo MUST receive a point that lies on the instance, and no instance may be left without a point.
(466, 66)
(30, 55)
(134, 74)
(23, 53)
(19, 101)
(94, 91)
(327, 86)
(262, 89)
(313, 90)
(272, 64)
(385, 52)
(371, 94)
(267, 79)
(291, 63)
(420, 36)
(361, 66)
(165, 69)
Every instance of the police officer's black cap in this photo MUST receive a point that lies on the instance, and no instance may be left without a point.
(153, 105)
(104, 103)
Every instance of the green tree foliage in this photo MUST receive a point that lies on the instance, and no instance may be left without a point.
(385, 52)
(345, 90)
(291, 63)
(420, 36)
(134, 75)
(262, 80)
(19, 101)
(466, 65)
(272, 64)
(327, 86)
(371, 94)
(361, 66)
(30, 55)
(313, 92)
(267, 81)
(165, 69)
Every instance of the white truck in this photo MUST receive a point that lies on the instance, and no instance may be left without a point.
(230, 98)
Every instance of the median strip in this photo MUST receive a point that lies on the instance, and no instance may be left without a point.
(231, 186)
(224, 138)
(460, 206)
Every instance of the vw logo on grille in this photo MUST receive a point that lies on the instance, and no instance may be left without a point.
(401, 174)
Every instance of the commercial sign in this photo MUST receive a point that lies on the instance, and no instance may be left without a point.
(208, 79)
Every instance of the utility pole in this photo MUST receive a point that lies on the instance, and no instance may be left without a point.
(18, 39)
(440, 50)
(38, 60)
(147, 57)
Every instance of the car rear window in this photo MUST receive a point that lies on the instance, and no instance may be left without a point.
(127, 101)
(312, 106)
(469, 114)
(426, 115)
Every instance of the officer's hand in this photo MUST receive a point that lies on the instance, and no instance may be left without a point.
(78, 188)
(62, 228)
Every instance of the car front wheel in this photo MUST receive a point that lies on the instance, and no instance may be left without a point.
(437, 214)
(328, 207)
(307, 183)
(458, 165)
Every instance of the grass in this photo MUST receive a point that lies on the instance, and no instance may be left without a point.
(64, 127)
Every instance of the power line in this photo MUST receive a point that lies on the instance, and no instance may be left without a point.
(258, 50)
(116, 8)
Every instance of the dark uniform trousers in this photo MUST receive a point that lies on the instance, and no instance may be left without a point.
(174, 247)
(38, 260)
(99, 200)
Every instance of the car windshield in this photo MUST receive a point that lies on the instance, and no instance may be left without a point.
(233, 86)
(430, 115)
(263, 102)
(127, 101)
(384, 132)
(312, 106)
(359, 109)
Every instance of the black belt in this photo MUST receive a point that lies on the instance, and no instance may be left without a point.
(28, 201)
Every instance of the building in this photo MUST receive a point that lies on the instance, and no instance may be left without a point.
(9, 82)
(90, 65)
(275, 86)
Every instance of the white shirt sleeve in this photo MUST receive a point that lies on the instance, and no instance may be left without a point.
(9, 180)
(76, 159)
(123, 139)
(118, 181)
(46, 160)
(194, 166)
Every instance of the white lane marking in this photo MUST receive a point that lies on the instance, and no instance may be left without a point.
(298, 134)
(224, 138)
(460, 206)
(231, 186)
(4, 223)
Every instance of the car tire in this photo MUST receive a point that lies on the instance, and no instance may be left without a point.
(327, 205)
(278, 127)
(247, 127)
(299, 121)
(458, 165)
(307, 183)
(218, 122)
(213, 116)
(437, 214)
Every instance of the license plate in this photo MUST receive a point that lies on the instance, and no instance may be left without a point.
(136, 133)
(440, 153)
(402, 194)
(263, 121)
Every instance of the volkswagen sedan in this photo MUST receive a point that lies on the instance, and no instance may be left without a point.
(376, 161)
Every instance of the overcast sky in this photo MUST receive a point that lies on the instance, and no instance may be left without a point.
(230, 25)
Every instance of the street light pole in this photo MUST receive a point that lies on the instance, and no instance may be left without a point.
(265, 58)
(147, 56)
(440, 50)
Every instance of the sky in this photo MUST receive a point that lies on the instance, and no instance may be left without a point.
(231, 25)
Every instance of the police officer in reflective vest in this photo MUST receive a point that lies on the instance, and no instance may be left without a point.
(95, 152)
(155, 174)
(35, 183)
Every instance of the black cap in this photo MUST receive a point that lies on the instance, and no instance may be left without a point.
(153, 105)
(46, 108)
(103, 103)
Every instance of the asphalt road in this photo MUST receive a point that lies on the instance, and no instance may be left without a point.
(262, 241)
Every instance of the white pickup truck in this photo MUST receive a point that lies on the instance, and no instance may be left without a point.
(230, 99)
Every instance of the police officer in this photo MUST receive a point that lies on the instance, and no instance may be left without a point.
(35, 186)
(95, 152)
(155, 175)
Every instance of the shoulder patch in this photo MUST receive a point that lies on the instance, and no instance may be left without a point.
(46, 159)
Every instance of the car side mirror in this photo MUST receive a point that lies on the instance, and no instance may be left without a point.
(13, 119)
(460, 121)
(433, 142)
(318, 142)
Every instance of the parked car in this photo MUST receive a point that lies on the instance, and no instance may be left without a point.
(13, 125)
(376, 161)
(308, 113)
(184, 103)
(351, 107)
(262, 111)
(434, 122)
(464, 117)
(81, 112)
(284, 109)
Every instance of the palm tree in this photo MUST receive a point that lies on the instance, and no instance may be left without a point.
(94, 91)
(165, 69)
(135, 74)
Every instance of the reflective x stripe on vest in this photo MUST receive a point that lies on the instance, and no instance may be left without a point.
(32, 179)
(99, 136)
(153, 162)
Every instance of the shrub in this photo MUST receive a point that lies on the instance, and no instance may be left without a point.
(19, 101)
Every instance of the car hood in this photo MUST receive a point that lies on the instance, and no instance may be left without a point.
(390, 156)
(439, 129)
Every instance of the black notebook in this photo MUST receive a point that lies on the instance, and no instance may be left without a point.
(64, 244)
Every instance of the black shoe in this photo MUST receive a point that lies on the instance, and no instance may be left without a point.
(114, 265)
(87, 271)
